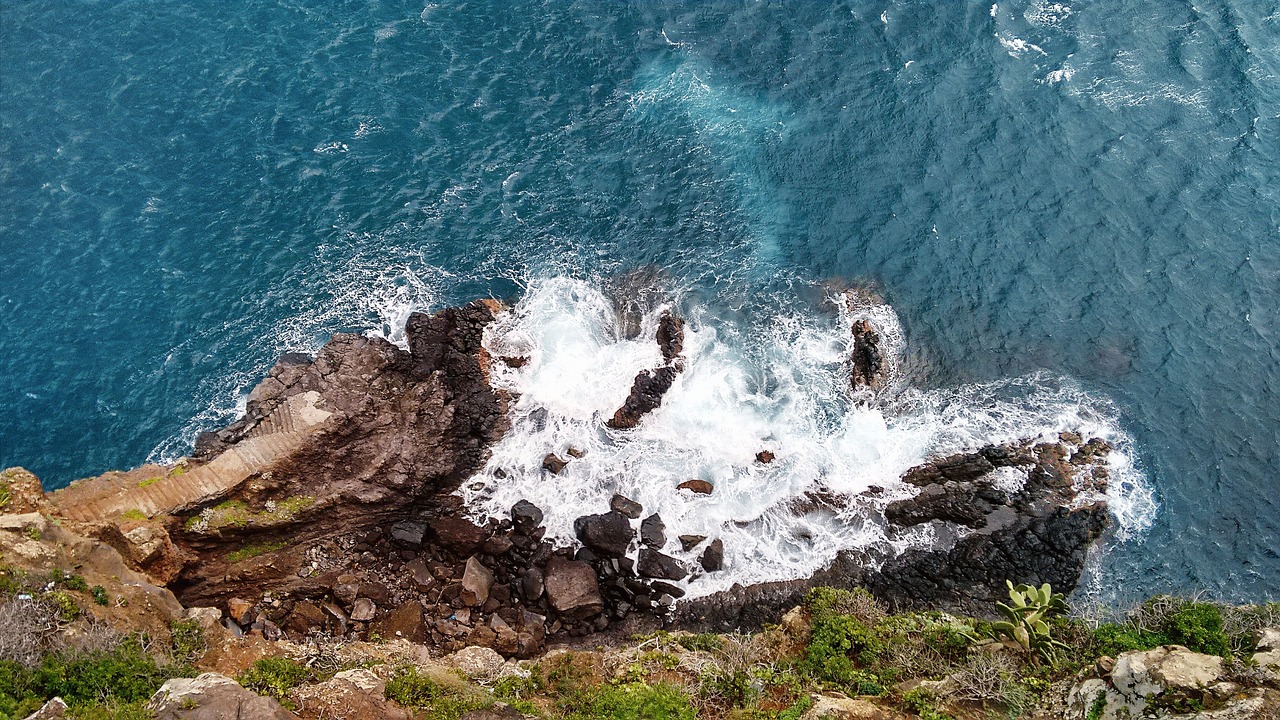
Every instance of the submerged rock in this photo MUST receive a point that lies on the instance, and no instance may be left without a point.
(626, 506)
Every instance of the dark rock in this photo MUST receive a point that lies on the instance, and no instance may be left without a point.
(525, 517)
(654, 564)
(867, 363)
(712, 559)
(404, 622)
(409, 532)
(576, 453)
(497, 545)
(572, 587)
(702, 487)
(531, 585)
(653, 532)
(346, 589)
(458, 533)
(515, 362)
(765, 457)
(666, 588)
(553, 463)
(646, 396)
(670, 336)
(609, 534)
(626, 506)
(689, 542)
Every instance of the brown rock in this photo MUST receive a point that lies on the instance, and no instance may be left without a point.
(364, 610)
(646, 395)
(346, 589)
(458, 533)
(476, 582)
(654, 564)
(305, 616)
(553, 463)
(765, 457)
(572, 587)
(350, 695)
(689, 542)
(670, 336)
(240, 610)
(702, 487)
(403, 622)
(609, 534)
(712, 559)
(626, 506)
(419, 575)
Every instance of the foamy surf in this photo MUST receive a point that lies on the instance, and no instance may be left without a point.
(780, 385)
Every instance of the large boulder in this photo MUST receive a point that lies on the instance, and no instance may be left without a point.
(405, 622)
(350, 695)
(477, 580)
(654, 564)
(211, 696)
(572, 587)
(645, 396)
(609, 534)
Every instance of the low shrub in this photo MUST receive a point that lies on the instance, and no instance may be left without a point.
(630, 701)
(1198, 626)
(188, 641)
(413, 689)
(274, 677)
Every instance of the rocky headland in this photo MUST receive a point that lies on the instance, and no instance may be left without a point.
(328, 511)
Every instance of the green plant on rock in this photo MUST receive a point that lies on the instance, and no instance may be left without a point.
(1029, 609)
(1198, 626)
(188, 641)
(5, 494)
(630, 701)
(99, 594)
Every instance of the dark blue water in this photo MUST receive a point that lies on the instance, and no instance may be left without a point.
(1088, 188)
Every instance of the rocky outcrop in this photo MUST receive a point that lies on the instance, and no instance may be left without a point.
(1168, 682)
(1026, 512)
(351, 695)
(211, 696)
(403, 429)
(650, 385)
(866, 363)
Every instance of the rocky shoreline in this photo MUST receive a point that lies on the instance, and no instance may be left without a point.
(327, 514)
(353, 528)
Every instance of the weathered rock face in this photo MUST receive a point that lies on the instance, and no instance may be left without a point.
(351, 695)
(212, 697)
(404, 428)
(1028, 520)
(1148, 683)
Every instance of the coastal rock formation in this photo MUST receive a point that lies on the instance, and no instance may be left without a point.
(1027, 512)
(650, 385)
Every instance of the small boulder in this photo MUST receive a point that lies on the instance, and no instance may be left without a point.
(531, 585)
(364, 610)
(712, 559)
(765, 457)
(458, 533)
(55, 709)
(689, 542)
(477, 663)
(211, 696)
(626, 506)
(653, 532)
(525, 517)
(404, 622)
(554, 463)
(701, 487)
(572, 587)
(346, 588)
(476, 582)
(240, 610)
(420, 575)
(409, 532)
(609, 534)
(654, 564)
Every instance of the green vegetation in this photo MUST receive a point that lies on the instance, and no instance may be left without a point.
(630, 701)
(99, 594)
(274, 677)
(110, 683)
(188, 641)
(149, 481)
(236, 513)
(66, 605)
(5, 493)
(447, 701)
(133, 515)
(1028, 614)
(252, 551)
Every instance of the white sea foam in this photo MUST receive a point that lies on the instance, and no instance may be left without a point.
(779, 384)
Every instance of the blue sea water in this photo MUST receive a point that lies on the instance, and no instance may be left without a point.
(1090, 189)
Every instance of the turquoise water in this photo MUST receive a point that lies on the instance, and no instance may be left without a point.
(1085, 189)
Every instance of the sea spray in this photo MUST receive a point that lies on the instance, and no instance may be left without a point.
(778, 383)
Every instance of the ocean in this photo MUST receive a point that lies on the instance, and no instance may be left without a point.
(1071, 208)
